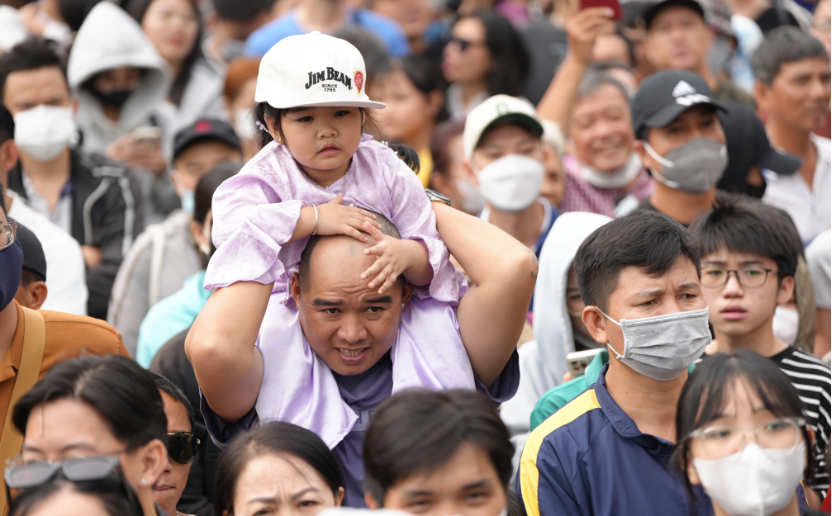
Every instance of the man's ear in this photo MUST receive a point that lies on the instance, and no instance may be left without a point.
(9, 154)
(469, 171)
(294, 288)
(339, 498)
(784, 294)
(761, 94)
(407, 293)
(435, 102)
(154, 460)
(595, 322)
(37, 294)
(371, 502)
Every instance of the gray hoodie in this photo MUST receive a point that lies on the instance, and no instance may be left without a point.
(110, 38)
(543, 360)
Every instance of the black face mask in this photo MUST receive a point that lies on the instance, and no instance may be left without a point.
(115, 98)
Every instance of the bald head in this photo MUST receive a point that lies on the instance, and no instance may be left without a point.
(339, 247)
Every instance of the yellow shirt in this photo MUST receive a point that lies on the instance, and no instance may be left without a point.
(425, 167)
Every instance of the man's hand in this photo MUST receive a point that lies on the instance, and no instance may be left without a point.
(337, 219)
(141, 155)
(584, 27)
(92, 256)
(29, 16)
(393, 257)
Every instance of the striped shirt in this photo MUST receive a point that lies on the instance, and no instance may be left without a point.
(813, 380)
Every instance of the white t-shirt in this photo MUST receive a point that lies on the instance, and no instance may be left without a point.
(809, 208)
(65, 272)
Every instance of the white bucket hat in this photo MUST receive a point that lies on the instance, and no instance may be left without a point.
(313, 70)
(498, 108)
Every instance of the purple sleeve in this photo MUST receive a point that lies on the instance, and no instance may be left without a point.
(250, 225)
(414, 218)
(505, 386)
(220, 432)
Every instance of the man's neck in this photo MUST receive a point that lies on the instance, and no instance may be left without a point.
(522, 225)
(795, 141)
(322, 15)
(650, 403)
(705, 71)
(56, 170)
(680, 206)
(8, 327)
(760, 340)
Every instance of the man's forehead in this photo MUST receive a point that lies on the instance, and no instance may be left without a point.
(633, 278)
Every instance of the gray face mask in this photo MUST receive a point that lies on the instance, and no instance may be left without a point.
(694, 168)
(664, 346)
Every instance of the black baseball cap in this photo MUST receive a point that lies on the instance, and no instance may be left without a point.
(650, 13)
(665, 95)
(205, 129)
(33, 258)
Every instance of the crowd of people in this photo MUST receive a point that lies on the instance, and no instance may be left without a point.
(463, 257)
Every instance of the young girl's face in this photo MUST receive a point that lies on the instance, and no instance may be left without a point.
(321, 139)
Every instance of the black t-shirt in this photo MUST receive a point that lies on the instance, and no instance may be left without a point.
(547, 48)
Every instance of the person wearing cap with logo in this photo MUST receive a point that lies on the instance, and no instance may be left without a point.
(505, 156)
(324, 202)
(792, 88)
(165, 254)
(606, 452)
(679, 37)
(92, 198)
(680, 140)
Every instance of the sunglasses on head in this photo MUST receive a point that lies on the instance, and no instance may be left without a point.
(182, 446)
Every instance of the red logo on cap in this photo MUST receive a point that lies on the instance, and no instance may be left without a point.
(203, 126)
(358, 79)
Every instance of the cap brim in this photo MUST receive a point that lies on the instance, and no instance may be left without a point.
(521, 119)
(780, 162)
(369, 104)
(669, 113)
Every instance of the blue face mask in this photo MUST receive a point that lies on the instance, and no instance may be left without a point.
(11, 265)
(188, 201)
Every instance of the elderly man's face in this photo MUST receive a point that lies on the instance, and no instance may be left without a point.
(347, 324)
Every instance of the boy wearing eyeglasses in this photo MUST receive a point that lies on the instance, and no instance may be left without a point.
(749, 254)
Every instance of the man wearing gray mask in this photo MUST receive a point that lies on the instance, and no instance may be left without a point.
(680, 140)
(639, 279)
(505, 157)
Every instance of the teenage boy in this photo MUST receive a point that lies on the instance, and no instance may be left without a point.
(90, 197)
(504, 155)
(165, 255)
(792, 88)
(680, 140)
(749, 258)
(434, 453)
(639, 279)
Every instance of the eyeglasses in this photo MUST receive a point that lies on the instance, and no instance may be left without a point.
(723, 440)
(464, 44)
(748, 277)
(8, 234)
(182, 446)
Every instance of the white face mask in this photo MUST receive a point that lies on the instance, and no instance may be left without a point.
(754, 481)
(43, 132)
(786, 324)
(615, 179)
(664, 346)
(511, 183)
(244, 124)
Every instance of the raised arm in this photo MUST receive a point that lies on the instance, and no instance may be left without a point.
(581, 30)
(220, 346)
(491, 314)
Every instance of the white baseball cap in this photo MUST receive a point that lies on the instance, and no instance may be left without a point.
(313, 70)
(499, 108)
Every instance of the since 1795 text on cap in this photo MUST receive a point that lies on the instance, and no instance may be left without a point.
(313, 70)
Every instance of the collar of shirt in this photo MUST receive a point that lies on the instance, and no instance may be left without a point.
(10, 363)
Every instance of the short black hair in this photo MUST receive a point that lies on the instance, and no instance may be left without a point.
(117, 388)
(236, 10)
(109, 492)
(30, 54)
(417, 431)
(6, 124)
(645, 239)
(28, 276)
(387, 228)
(170, 388)
(277, 438)
(208, 184)
(750, 227)
(709, 389)
(407, 154)
(782, 45)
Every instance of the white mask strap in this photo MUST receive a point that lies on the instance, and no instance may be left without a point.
(650, 151)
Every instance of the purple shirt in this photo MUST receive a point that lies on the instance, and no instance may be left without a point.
(256, 212)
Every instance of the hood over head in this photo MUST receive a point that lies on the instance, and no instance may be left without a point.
(110, 38)
(552, 326)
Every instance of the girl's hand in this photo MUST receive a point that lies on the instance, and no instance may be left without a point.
(393, 257)
(336, 219)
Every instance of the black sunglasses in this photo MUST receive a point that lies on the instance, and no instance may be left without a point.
(182, 446)
(463, 44)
